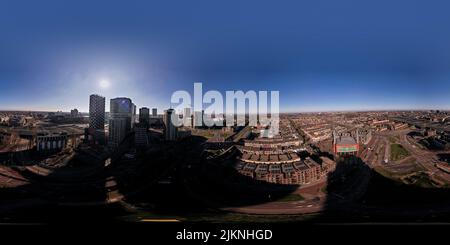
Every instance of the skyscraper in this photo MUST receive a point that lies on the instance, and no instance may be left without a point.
(141, 135)
(96, 112)
(144, 115)
(170, 131)
(187, 119)
(133, 115)
(198, 118)
(120, 122)
(154, 112)
(117, 131)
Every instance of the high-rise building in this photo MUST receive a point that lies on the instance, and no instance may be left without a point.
(120, 123)
(144, 116)
(74, 113)
(170, 131)
(117, 131)
(154, 112)
(141, 135)
(187, 117)
(96, 112)
(133, 115)
(198, 118)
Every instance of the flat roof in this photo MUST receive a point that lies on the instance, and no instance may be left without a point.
(264, 158)
(287, 167)
(254, 157)
(310, 162)
(300, 165)
(283, 157)
(345, 140)
(262, 168)
(275, 168)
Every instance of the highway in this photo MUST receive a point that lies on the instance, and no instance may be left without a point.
(377, 153)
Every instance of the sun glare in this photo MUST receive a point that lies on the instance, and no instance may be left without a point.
(104, 84)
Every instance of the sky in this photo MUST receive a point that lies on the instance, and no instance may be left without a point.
(320, 55)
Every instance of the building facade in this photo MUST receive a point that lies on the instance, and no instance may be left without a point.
(74, 113)
(144, 116)
(187, 117)
(275, 159)
(198, 119)
(51, 143)
(121, 117)
(96, 112)
(345, 144)
(133, 115)
(170, 131)
(141, 135)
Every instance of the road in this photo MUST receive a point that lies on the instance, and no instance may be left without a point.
(424, 158)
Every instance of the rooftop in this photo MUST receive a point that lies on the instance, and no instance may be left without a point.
(345, 140)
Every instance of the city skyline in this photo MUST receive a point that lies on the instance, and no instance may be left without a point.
(241, 114)
(355, 107)
(282, 112)
(350, 59)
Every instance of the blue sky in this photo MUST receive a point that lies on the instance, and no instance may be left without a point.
(320, 55)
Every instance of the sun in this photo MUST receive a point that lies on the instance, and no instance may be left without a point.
(104, 83)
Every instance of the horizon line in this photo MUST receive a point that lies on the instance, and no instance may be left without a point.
(283, 112)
